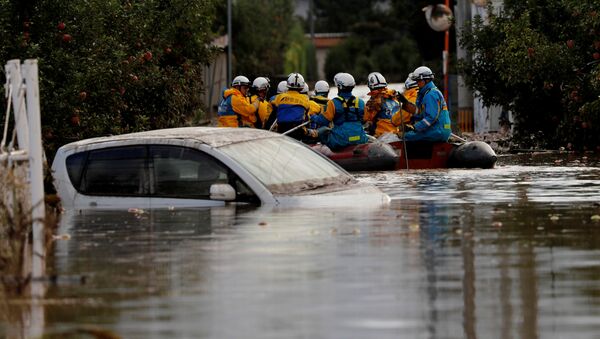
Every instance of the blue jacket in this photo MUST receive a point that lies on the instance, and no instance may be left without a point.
(432, 121)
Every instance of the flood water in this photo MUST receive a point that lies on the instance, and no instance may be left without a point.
(511, 252)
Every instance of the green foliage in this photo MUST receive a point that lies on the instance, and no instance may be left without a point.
(115, 66)
(260, 35)
(540, 62)
(296, 53)
(379, 40)
(360, 56)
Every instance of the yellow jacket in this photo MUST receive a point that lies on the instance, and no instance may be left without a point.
(264, 110)
(235, 110)
(411, 95)
(314, 108)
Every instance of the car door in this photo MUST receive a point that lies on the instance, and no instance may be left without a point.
(115, 177)
(182, 176)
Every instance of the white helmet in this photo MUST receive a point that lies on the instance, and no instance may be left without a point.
(240, 80)
(345, 80)
(410, 83)
(422, 73)
(261, 83)
(282, 87)
(336, 77)
(304, 89)
(295, 81)
(375, 81)
(321, 87)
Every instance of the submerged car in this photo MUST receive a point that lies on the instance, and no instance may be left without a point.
(203, 166)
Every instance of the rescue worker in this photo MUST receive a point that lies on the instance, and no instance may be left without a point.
(281, 88)
(431, 119)
(321, 92)
(292, 107)
(234, 109)
(314, 108)
(345, 111)
(381, 107)
(271, 122)
(260, 88)
(411, 90)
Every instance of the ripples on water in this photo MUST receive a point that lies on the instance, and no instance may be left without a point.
(510, 252)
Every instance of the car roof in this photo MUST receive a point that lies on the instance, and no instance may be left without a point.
(212, 136)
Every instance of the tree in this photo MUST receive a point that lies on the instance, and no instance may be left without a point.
(542, 63)
(260, 36)
(109, 66)
(381, 38)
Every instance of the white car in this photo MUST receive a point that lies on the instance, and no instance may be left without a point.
(202, 166)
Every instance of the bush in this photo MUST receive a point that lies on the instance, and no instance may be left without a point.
(108, 66)
(543, 63)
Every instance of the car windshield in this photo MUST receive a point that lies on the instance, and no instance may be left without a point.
(285, 166)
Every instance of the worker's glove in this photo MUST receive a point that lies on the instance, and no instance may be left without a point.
(408, 128)
(402, 99)
(313, 133)
(367, 126)
(323, 130)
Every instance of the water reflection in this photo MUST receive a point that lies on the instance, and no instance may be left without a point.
(506, 253)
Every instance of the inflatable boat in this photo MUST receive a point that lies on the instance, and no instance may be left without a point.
(379, 156)
(424, 155)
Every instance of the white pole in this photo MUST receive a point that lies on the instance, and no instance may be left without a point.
(30, 73)
(13, 71)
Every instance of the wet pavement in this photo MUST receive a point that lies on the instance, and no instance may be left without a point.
(511, 252)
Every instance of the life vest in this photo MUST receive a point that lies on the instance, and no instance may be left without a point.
(321, 100)
(226, 115)
(346, 110)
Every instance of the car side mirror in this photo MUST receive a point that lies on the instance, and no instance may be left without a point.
(224, 192)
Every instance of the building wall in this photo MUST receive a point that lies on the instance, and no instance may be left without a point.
(214, 78)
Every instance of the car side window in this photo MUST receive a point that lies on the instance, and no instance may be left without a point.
(119, 171)
(181, 172)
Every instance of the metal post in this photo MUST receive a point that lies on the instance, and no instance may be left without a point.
(36, 174)
(13, 71)
(445, 58)
(229, 43)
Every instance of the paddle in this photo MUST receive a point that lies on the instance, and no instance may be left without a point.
(273, 125)
(403, 140)
(457, 137)
(295, 128)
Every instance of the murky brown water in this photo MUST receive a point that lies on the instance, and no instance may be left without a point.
(512, 252)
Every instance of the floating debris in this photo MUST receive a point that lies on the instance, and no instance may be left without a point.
(414, 227)
(136, 210)
(61, 237)
(262, 223)
(595, 218)
(497, 223)
(554, 217)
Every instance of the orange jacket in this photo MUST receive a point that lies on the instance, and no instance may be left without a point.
(374, 110)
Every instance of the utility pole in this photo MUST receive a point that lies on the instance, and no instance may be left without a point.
(445, 57)
(229, 43)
